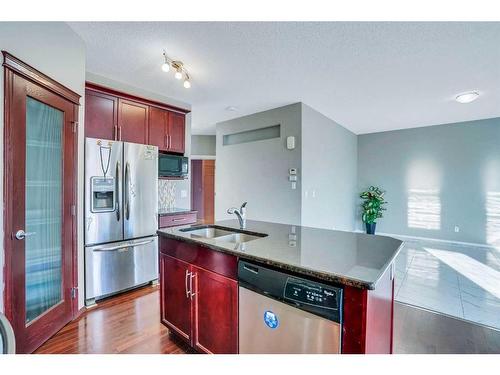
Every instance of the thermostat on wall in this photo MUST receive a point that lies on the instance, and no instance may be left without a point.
(290, 142)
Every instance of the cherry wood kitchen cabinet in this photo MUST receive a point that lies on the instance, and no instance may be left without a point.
(158, 128)
(101, 115)
(175, 219)
(199, 296)
(175, 301)
(215, 311)
(132, 121)
(166, 130)
(111, 114)
(176, 129)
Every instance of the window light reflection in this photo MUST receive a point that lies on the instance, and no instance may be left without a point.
(493, 218)
(477, 272)
(424, 209)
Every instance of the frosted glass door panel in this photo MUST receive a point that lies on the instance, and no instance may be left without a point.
(43, 226)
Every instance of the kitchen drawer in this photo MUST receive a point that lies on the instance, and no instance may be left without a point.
(200, 256)
(179, 219)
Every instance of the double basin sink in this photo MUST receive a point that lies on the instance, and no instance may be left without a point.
(222, 234)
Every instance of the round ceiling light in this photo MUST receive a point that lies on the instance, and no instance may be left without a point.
(165, 67)
(166, 64)
(467, 97)
(178, 74)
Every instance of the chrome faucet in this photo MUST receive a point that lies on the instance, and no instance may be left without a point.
(241, 214)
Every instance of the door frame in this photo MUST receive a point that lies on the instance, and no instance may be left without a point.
(14, 66)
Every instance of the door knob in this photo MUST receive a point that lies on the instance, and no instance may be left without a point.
(21, 234)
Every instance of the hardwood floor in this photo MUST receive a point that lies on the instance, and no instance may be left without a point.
(130, 323)
(418, 331)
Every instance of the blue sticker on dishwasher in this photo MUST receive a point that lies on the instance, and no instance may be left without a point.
(271, 319)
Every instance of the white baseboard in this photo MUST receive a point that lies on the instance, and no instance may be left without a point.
(460, 243)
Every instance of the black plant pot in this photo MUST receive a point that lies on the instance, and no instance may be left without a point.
(370, 228)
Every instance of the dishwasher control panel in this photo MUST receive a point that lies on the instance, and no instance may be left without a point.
(302, 291)
(312, 296)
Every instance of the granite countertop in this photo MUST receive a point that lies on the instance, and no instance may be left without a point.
(174, 211)
(348, 258)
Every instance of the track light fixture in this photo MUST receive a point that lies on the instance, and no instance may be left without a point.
(178, 67)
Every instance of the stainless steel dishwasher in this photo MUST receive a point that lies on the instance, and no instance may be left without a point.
(280, 313)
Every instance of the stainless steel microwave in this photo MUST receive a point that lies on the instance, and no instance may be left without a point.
(172, 165)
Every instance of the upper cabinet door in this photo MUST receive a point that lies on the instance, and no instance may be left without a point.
(101, 115)
(158, 128)
(176, 128)
(132, 121)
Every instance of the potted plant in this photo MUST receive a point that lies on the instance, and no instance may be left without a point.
(373, 201)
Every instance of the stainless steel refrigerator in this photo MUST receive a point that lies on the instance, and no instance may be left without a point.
(121, 216)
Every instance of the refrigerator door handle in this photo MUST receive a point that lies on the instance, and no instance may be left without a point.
(117, 190)
(126, 191)
(122, 246)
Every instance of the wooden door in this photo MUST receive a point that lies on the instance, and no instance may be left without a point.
(158, 135)
(132, 121)
(215, 315)
(101, 115)
(176, 128)
(175, 297)
(208, 190)
(197, 189)
(40, 196)
(203, 189)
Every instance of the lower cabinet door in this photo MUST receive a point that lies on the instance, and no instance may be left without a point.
(215, 312)
(175, 297)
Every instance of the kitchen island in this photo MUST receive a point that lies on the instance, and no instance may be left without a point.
(199, 278)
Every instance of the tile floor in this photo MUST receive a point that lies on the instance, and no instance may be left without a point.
(458, 280)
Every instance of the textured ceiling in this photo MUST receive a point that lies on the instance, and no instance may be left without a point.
(368, 77)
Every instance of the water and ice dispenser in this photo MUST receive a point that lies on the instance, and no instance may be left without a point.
(103, 194)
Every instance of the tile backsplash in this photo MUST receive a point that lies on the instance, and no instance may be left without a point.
(166, 194)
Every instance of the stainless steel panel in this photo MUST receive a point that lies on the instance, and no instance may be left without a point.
(140, 190)
(7, 337)
(117, 266)
(103, 226)
(297, 331)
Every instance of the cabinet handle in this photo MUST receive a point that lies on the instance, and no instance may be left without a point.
(115, 136)
(193, 275)
(186, 283)
(181, 219)
(165, 141)
(120, 132)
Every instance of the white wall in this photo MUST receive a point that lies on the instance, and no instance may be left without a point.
(54, 49)
(436, 178)
(257, 172)
(329, 172)
(203, 146)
